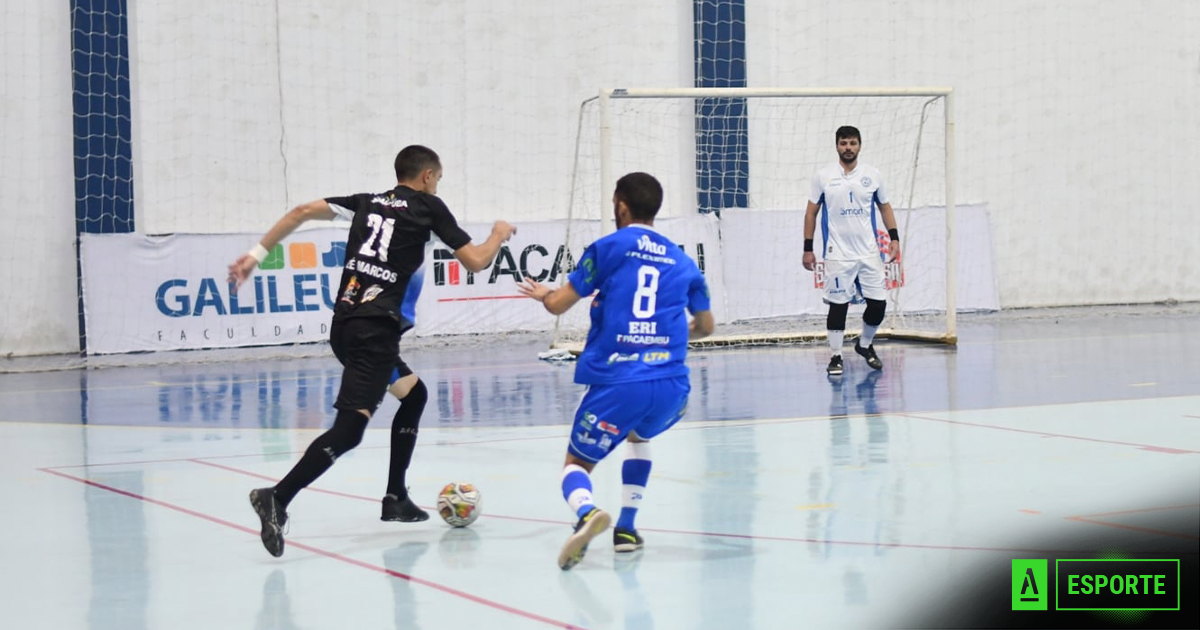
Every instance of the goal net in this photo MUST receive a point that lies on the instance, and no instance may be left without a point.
(736, 166)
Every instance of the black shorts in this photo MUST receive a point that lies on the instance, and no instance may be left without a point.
(369, 351)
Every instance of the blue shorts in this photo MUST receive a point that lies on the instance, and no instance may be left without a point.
(608, 413)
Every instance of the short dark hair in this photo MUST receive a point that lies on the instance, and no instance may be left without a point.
(642, 193)
(846, 131)
(413, 159)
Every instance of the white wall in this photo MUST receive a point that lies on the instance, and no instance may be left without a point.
(493, 87)
(1078, 124)
(38, 309)
(1077, 121)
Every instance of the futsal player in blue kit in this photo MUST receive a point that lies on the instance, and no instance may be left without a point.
(633, 363)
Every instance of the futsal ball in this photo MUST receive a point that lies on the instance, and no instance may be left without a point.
(459, 504)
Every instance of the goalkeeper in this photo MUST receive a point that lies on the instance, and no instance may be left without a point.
(847, 195)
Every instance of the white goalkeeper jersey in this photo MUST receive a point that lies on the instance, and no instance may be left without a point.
(848, 204)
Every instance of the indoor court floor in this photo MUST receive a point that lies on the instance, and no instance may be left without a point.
(783, 499)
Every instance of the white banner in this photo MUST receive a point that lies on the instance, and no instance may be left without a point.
(165, 293)
(454, 301)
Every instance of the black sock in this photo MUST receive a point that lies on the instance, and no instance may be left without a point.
(404, 437)
(346, 433)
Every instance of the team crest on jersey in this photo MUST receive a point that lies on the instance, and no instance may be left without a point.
(351, 290)
(866, 182)
(371, 293)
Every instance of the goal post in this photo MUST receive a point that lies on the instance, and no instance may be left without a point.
(736, 165)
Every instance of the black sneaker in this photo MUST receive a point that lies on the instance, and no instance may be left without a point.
(589, 526)
(403, 510)
(273, 516)
(626, 540)
(835, 366)
(868, 353)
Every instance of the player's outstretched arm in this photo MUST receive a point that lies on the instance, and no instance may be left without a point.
(701, 326)
(810, 228)
(244, 266)
(476, 258)
(557, 301)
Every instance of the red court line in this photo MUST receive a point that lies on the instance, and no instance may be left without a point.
(137, 462)
(489, 297)
(1091, 518)
(278, 453)
(678, 531)
(1159, 449)
(1145, 447)
(857, 543)
(274, 480)
(1145, 530)
(323, 552)
(1138, 511)
(359, 497)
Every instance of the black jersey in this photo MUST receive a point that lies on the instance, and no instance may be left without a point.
(386, 245)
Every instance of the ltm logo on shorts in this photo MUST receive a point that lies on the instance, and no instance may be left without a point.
(1029, 585)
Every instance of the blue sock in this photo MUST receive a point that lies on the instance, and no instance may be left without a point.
(634, 475)
(577, 489)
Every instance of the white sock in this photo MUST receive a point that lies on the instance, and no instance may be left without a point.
(835, 341)
(635, 472)
(579, 498)
(577, 487)
(868, 335)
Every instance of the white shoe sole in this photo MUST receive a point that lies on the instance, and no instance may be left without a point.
(572, 552)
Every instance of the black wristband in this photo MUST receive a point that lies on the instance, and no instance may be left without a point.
(894, 234)
(808, 244)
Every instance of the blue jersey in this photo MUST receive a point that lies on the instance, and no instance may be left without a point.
(639, 325)
(408, 306)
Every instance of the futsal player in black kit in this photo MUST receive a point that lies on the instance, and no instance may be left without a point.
(386, 245)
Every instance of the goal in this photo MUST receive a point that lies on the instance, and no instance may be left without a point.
(736, 166)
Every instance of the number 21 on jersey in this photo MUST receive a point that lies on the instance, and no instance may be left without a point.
(647, 292)
(380, 238)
